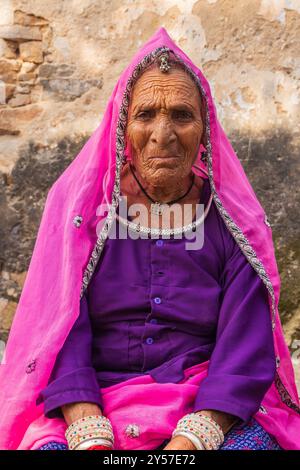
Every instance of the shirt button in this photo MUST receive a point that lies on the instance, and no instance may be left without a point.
(149, 340)
(159, 242)
(157, 300)
(153, 320)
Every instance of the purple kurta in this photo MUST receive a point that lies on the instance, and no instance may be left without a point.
(177, 308)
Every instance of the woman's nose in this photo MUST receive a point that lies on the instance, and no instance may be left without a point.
(162, 133)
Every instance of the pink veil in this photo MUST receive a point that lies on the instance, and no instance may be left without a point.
(69, 244)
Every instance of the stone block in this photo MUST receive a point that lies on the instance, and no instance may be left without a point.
(27, 77)
(7, 311)
(31, 51)
(9, 91)
(56, 70)
(7, 12)
(19, 99)
(28, 67)
(21, 33)
(25, 19)
(69, 89)
(19, 278)
(9, 70)
(8, 49)
(9, 66)
(23, 87)
(20, 114)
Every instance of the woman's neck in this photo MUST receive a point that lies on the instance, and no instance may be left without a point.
(183, 215)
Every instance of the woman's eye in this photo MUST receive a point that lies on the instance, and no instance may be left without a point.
(145, 114)
(179, 115)
(185, 115)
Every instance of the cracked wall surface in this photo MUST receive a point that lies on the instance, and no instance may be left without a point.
(58, 66)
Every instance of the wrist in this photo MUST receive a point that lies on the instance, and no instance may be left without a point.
(75, 411)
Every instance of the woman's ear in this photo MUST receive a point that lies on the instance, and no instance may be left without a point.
(128, 150)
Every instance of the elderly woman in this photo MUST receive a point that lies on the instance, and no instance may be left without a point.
(175, 345)
(166, 316)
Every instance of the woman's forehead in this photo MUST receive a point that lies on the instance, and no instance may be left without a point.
(172, 86)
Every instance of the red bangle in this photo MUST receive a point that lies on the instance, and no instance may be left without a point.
(98, 448)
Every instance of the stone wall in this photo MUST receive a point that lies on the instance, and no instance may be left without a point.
(59, 63)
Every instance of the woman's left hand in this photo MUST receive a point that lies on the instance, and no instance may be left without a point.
(180, 443)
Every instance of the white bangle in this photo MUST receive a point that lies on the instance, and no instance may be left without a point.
(194, 439)
(90, 442)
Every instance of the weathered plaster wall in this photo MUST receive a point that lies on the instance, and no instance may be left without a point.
(58, 64)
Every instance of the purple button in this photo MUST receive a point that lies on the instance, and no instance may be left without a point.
(153, 320)
(149, 340)
(159, 242)
(157, 300)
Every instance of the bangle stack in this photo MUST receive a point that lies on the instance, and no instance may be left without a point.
(90, 431)
(203, 431)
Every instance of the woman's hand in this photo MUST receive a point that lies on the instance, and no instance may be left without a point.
(74, 411)
(180, 443)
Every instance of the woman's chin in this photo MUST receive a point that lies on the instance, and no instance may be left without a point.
(163, 177)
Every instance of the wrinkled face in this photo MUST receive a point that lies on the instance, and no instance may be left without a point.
(164, 127)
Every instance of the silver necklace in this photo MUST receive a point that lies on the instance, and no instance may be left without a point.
(172, 231)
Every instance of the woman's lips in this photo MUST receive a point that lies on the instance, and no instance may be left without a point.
(168, 162)
(166, 158)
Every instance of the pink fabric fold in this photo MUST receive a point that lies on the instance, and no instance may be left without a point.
(155, 409)
(63, 260)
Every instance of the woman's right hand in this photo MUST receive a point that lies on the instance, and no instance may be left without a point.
(74, 411)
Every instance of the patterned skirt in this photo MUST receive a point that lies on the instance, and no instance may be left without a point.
(249, 436)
